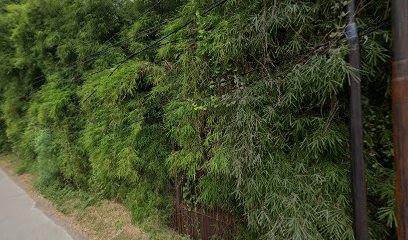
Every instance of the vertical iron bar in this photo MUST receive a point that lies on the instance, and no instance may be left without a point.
(360, 224)
(179, 208)
(400, 111)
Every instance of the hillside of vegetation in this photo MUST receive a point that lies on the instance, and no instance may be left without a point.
(246, 101)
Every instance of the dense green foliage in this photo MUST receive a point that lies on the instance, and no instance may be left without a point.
(247, 103)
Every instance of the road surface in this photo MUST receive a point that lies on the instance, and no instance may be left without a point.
(20, 219)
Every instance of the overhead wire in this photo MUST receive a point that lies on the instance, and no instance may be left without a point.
(138, 120)
(166, 36)
(143, 33)
(159, 44)
(146, 12)
(72, 66)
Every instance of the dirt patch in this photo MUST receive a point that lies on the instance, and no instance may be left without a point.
(106, 220)
(109, 220)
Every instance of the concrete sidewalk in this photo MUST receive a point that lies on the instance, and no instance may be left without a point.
(20, 219)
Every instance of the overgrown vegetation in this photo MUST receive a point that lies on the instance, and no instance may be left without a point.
(247, 103)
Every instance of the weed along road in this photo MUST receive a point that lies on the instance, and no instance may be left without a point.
(20, 219)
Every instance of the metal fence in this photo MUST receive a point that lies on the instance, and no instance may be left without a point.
(200, 223)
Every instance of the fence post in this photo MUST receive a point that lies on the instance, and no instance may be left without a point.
(360, 224)
(400, 111)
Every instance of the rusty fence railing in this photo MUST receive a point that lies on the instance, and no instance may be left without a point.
(201, 223)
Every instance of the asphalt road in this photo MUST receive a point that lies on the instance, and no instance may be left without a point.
(20, 219)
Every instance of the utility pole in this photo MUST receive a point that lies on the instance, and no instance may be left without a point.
(360, 223)
(400, 111)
